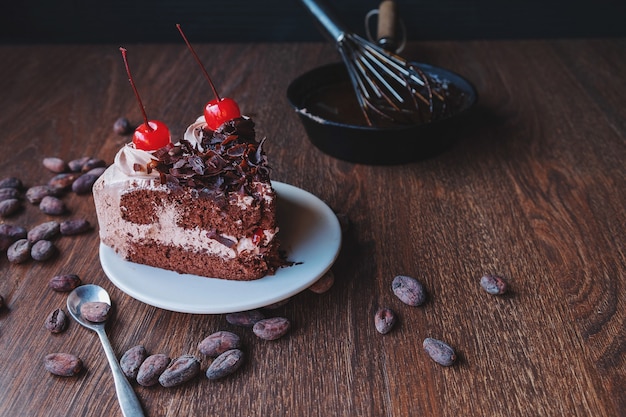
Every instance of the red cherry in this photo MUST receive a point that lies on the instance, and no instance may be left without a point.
(257, 236)
(219, 110)
(151, 134)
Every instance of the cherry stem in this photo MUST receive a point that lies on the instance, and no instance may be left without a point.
(206, 74)
(132, 84)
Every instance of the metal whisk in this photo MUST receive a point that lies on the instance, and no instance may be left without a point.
(388, 88)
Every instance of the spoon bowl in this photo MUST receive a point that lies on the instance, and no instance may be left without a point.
(129, 403)
(84, 294)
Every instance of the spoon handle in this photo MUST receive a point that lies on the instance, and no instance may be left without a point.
(129, 403)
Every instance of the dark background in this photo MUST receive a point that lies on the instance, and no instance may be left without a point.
(116, 21)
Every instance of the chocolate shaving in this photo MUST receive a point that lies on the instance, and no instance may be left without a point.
(232, 161)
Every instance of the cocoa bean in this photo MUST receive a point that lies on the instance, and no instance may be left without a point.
(98, 171)
(244, 318)
(56, 165)
(439, 351)
(36, 193)
(9, 194)
(272, 328)
(19, 251)
(64, 283)
(122, 127)
(494, 284)
(63, 364)
(151, 369)
(409, 290)
(9, 234)
(11, 182)
(76, 165)
(132, 359)
(225, 364)
(95, 311)
(47, 231)
(56, 322)
(74, 227)
(13, 231)
(324, 283)
(384, 320)
(181, 370)
(63, 182)
(84, 183)
(9, 207)
(42, 250)
(52, 206)
(92, 163)
(218, 343)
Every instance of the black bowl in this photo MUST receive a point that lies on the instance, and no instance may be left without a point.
(377, 145)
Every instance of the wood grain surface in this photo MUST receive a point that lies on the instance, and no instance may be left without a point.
(532, 190)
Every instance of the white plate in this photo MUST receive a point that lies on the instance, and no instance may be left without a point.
(309, 233)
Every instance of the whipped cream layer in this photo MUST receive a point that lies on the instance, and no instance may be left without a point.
(129, 173)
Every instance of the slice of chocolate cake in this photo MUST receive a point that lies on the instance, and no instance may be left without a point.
(203, 206)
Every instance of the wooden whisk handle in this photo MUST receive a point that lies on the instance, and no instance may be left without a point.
(387, 20)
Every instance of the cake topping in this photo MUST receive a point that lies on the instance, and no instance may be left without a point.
(132, 161)
(219, 110)
(228, 159)
(151, 134)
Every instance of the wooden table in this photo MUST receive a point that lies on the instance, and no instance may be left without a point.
(533, 190)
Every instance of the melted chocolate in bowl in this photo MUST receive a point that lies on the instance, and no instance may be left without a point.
(337, 102)
(329, 111)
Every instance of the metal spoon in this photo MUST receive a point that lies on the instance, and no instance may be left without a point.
(126, 396)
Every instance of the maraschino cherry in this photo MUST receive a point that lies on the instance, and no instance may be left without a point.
(151, 134)
(219, 110)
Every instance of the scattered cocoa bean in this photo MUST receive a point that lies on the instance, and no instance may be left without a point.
(9, 207)
(324, 283)
(9, 234)
(56, 165)
(439, 351)
(13, 231)
(95, 311)
(19, 251)
(42, 250)
(494, 284)
(9, 194)
(384, 320)
(225, 364)
(63, 182)
(64, 283)
(63, 364)
(132, 359)
(272, 328)
(36, 193)
(76, 165)
(244, 318)
(11, 182)
(74, 227)
(218, 343)
(46, 230)
(84, 183)
(181, 370)
(409, 290)
(122, 126)
(92, 163)
(56, 322)
(98, 171)
(52, 206)
(151, 369)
